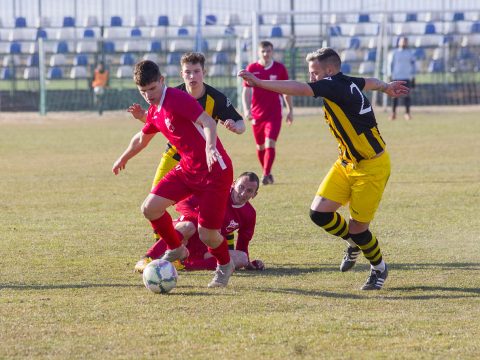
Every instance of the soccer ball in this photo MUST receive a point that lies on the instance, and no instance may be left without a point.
(160, 276)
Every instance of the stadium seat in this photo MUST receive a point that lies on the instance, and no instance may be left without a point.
(420, 54)
(458, 16)
(62, 47)
(43, 22)
(125, 71)
(91, 21)
(464, 53)
(354, 43)
(436, 66)
(15, 48)
(78, 72)
(135, 32)
(33, 60)
(57, 60)
(438, 53)
(12, 60)
(218, 70)
(127, 59)
(54, 73)
(136, 46)
(7, 73)
(108, 47)
(335, 30)
(348, 55)
(447, 39)
(185, 20)
(21, 34)
(20, 22)
(220, 58)
(229, 30)
(276, 32)
(371, 55)
(155, 46)
(224, 45)
(182, 31)
(116, 21)
(232, 20)
(163, 20)
(67, 33)
(41, 34)
(138, 20)
(88, 33)
(475, 28)
(363, 18)
(411, 17)
(68, 21)
(366, 67)
(210, 20)
(430, 29)
(151, 57)
(87, 46)
(346, 68)
(173, 58)
(31, 73)
(80, 60)
(181, 45)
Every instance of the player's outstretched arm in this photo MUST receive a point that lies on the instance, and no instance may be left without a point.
(392, 89)
(137, 112)
(287, 87)
(210, 129)
(138, 143)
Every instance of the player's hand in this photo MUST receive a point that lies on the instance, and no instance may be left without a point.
(396, 89)
(118, 166)
(247, 115)
(230, 125)
(249, 78)
(255, 265)
(212, 157)
(137, 112)
(289, 118)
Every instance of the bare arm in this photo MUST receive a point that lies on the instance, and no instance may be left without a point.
(138, 143)
(287, 87)
(210, 129)
(288, 102)
(247, 102)
(392, 89)
(238, 127)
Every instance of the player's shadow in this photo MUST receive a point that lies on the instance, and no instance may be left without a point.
(314, 293)
(439, 266)
(289, 270)
(63, 286)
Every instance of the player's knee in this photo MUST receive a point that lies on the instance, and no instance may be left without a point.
(320, 218)
(187, 228)
(270, 143)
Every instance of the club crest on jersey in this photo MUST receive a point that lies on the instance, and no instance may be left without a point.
(232, 226)
(228, 102)
(273, 77)
(169, 125)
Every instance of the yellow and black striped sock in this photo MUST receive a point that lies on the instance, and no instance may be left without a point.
(331, 222)
(368, 243)
(231, 241)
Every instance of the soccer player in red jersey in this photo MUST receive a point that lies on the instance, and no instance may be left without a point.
(264, 108)
(205, 168)
(240, 216)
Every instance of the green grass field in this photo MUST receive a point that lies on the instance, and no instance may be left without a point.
(71, 232)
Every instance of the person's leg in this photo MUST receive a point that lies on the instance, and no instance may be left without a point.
(393, 115)
(259, 136)
(272, 131)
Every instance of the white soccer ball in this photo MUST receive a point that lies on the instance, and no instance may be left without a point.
(160, 276)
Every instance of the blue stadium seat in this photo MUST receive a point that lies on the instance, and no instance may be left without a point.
(276, 32)
(20, 22)
(363, 18)
(411, 17)
(108, 47)
(155, 46)
(55, 73)
(354, 43)
(220, 57)
(210, 20)
(88, 33)
(436, 66)
(116, 21)
(7, 73)
(229, 30)
(81, 60)
(136, 32)
(127, 59)
(335, 30)
(33, 60)
(447, 39)
(420, 54)
(371, 55)
(464, 53)
(475, 27)
(430, 29)
(173, 58)
(182, 31)
(62, 47)
(163, 20)
(458, 16)
(41, 34)
(15, 47)
(346, 68)
(68, 21)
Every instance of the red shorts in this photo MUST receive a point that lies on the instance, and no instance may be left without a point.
(212, 191)
(263, 129)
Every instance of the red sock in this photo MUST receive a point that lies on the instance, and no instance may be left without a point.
(261, 156)
(159, 248)
(200, 264)
(221, 253)
(163, 226)
(269, 158)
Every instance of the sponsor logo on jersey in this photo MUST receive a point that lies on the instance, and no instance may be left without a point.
(232, 226)
(228, 102)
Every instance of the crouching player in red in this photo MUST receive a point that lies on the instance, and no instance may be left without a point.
(205, 168)
(240, 216)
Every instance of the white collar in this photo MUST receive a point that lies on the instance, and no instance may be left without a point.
(159, 107)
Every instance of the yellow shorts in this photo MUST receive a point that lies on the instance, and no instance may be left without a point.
(360, 185)
(167, 163)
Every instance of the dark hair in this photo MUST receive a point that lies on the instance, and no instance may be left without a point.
(251, 177)
(264, 44)
(193, 58)
(325, 55)
(146, 72)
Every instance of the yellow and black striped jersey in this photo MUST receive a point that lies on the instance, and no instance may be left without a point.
(350, 117)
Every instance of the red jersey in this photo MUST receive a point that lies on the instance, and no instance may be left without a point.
(241, 218)
(175, 118)
(267, 105)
